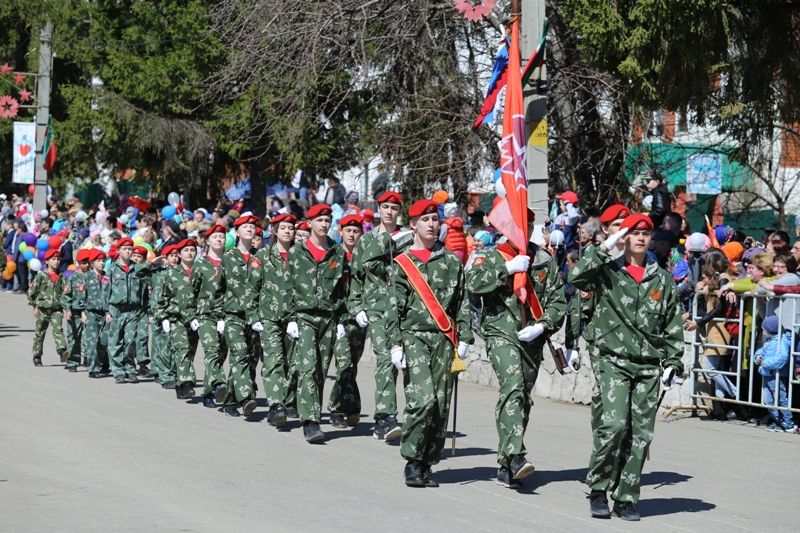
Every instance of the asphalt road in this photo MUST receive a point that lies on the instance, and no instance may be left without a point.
(89, 455)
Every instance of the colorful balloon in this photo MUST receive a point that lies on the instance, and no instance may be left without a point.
(35, 265)
(43, 244)
(174, 199)
(28, 254)
(230, 241)
(29, 239)
(168, 212)
(11, 266)
(23, 246)
(55, 243)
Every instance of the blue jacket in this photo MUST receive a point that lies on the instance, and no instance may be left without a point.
(775, 353)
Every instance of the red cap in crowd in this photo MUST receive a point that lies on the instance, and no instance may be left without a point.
(185, 243)
(303, 226)
(422, 207)
(125, 241)
(613, 213)
(284, 217)
(390, 197)
(82, 255)
(51, 253)
(245, 219)
(637, 221)
(351, 220)
(318, 210)
(216, 228)
(95, 254)
(569, 197)
(141, 250)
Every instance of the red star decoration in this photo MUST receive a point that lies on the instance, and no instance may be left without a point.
(5, 69)
(24, 95)
(19, 79)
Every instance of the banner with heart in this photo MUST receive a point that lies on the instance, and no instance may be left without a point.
(24, 154)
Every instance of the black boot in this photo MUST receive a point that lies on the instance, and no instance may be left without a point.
(598, 504)
(95, 375)
(230, 410)
(131, 378)
(144, 370)
(208, 401)
(120, 380)
(185, 391)
(338, 420)
(313, 433)
(427, 476)
(413, 473)
(379, 431)
(248, 406)
(505, 479)
(220, 391)
(393, 429)
(72, 368)
(626, 511)
(291, 412)
(168, 385)
(37, 361)
(277, 416)
(520, 467)
(63, 355)
(353, 419)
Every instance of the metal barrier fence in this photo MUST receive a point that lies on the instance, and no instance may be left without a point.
(743, 373)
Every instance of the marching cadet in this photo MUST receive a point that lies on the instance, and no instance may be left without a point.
(208, 296)
(163, 354)
(73, 305)
(371, 273)
(95, 308)
(317, 295)
(143, 318)
(428, 322)
(345, 400)
(636, 331)
(515, 348)
(240, 271)
(175, 313)
(44, 295)
(273, 314)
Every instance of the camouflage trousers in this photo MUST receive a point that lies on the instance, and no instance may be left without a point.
(96, 341)
(214, 351)
(241, 341)
(623, 423)
(75, 338)
(48, 318)
(385, 371)
(163, 357)
(312, 349)
(516, 366)
(142, 337)
(345, 397)
(428, 382)
(277, 347)
(183, 342)
(122, 340)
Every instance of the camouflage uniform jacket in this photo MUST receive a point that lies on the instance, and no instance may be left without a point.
(489, 279)
(176, 298)
(317, 286)
(273, 303)
(207, 289)
(445, 275)
(239, 279)
(44, 293)
(94, 296)
(156, 276)
(74, 287)
(631, 322)
(125, 288)
(370, 271)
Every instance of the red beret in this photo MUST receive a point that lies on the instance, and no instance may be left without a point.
(125, 241)
(637, 221)
(169, 249)
(216, 228)
(82, 255)
(184, 243)
(303, 226)
(318, 210)
(51, 253)
(141, 250)
(613, 213)
(569, 197)
(390, 197)
(368, 214)
(245, 219)
(96, 253)
(422, 207)
(284, 217)
(351, 220)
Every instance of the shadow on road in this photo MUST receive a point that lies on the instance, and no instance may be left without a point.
(465, 475)
(12, 331)
(465, 452)
(662, 479)
(540, 478)
(663, 506)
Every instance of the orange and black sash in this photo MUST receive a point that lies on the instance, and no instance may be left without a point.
(508, 252)
(418, 283)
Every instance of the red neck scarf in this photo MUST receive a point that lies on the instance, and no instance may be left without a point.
(422, 255)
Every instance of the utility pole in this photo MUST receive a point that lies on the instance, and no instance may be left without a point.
(43, 85)
(531, 25)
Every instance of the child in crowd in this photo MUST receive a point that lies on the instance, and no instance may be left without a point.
(773, 364)
(44, 296)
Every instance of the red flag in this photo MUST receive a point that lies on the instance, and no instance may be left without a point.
(513, 171)
(712, 235)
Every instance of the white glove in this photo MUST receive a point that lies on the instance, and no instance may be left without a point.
(573, 360)
(340, 332)
(194, 324)
(519, 263)
(610, 243)
(398, 357)
(292, 330)
(529, 333)
(258, 326)
(220, 326)
(362, 319)
(462, 350)
(669, 378)
(165, 326)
